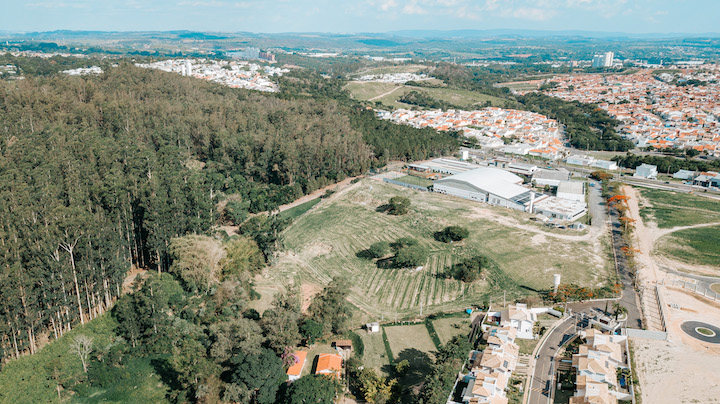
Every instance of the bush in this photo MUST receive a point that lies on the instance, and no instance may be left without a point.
(452, 233)
(379, 249)
(469, 270)
(411, 256)
(398, 205)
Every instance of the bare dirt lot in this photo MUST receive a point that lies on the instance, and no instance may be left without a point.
(682, 369)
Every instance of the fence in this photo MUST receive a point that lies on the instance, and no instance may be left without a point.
(405, 184)
(699, 288)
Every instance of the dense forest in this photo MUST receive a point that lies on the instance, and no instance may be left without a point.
(100, 174)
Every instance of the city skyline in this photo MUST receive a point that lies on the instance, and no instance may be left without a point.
(625, 16)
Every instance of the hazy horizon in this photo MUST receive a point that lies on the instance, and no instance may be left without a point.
(634, 17)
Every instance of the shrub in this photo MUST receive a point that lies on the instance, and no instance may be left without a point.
(398, 205)
(452, 233)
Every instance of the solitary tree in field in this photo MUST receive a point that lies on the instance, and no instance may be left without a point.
(398, 205)
(452, 233)
(82, 346)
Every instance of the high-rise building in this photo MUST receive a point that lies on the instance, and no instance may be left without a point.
(604, 60)
(188, 68)
(598, 61)
(608, 59)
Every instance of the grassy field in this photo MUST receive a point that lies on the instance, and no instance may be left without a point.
(411, 179)
(697, 246)
(369, 90)
(30, 379)
(670, 209)
(390, 69)
(297, 211)
(323, 243)
(409, 338)
(447, 328)
(374, 355)
(715, 287)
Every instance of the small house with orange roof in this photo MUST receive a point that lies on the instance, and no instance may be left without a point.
(329, 364)
(295, 370)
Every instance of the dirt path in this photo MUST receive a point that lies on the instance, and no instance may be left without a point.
(484, 213)
(387, 93)
(646, 235)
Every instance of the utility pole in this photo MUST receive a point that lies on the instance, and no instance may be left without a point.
(421, 308)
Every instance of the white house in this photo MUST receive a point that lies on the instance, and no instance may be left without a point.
(372, 327)
(605, 164)
(684, 175)
(520, 317)
(646, 171)
(560, 208)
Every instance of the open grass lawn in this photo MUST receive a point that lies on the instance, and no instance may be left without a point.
(715, 287)
(411, 179)
(297, 211)
(410, 338)
(447, 328)
(468, 99)
(374, 355)
(670, 209)
(412, 343)
(323, 244)
(526, 345)
(697, 246)
(32, 379)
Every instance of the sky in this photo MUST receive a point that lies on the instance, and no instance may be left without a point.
(353, 16)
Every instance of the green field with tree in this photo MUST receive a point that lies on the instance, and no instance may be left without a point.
(670, 209)
(698, 246)
(332, 239)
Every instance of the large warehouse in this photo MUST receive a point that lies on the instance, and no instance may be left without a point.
(489, 185)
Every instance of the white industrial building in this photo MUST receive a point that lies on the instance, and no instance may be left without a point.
(574, 191)
(490, 185)
(646, 171)
(560, 208)
(605, 164)
(580, 160)
(551, 178)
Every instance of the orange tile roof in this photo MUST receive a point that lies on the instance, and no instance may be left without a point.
(295, 369)
(328, 364)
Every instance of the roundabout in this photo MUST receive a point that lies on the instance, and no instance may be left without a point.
(703, 331)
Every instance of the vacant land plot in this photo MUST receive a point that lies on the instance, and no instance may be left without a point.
(409, 338)
(297, 211)
(698, 246)
(323, 243)
(374, 355)
(447, 328)
(388, 94)
(390, 69)
(670, 209)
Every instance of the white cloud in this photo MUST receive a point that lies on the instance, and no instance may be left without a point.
(58, 4)
(414, 8)
(532, 13)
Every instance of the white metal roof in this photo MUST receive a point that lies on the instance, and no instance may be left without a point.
(491, 180)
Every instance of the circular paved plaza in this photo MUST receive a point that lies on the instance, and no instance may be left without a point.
(702, 331)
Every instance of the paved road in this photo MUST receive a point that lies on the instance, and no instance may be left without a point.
(630, 298)
(545, 365)
(698, 283)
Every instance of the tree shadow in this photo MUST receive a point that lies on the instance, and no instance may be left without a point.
(420, 366)
(364, 254)
(383, 208)
(386, 263)
(166, 372)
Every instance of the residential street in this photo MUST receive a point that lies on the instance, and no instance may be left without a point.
(545, 363)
